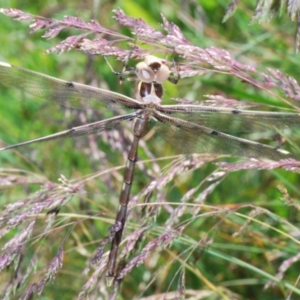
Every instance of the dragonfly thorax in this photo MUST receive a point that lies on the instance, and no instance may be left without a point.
(149, 92)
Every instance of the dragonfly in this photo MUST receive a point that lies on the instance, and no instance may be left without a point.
(190, 128)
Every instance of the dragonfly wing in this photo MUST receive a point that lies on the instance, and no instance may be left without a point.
(68, 94)
(233, 121)
(189, 137)
(79, 130)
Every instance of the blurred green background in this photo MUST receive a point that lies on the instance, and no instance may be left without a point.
(233, 267)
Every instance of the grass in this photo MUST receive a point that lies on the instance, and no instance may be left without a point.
(195, 229)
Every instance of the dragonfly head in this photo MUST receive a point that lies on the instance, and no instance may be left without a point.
(152, 69)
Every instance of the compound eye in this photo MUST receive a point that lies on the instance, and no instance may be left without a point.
(162, 74)
(144, 73)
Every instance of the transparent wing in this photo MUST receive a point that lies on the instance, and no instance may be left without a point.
(232, 121)
(68, 94)
(189, 137)
(79, 130)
